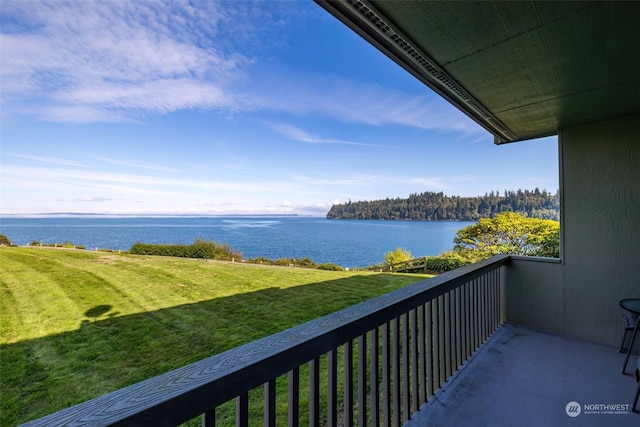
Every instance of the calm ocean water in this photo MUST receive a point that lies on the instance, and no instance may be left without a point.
(347, 243)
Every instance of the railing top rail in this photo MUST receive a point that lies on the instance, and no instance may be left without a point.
(182, 394)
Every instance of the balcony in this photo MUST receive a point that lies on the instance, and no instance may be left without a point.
(527, 377)
(438, 351)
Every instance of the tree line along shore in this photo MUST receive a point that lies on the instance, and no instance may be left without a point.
(432, 206)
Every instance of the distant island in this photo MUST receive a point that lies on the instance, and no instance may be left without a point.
(431, 206)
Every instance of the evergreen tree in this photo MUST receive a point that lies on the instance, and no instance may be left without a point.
(431, 206)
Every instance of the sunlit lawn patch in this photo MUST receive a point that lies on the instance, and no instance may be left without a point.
(76, 324)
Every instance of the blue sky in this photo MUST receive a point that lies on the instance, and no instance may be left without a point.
(238, 107)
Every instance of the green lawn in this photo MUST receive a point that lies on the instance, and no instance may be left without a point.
(76, 324)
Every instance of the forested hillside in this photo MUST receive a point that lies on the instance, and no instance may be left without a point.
(433, 206)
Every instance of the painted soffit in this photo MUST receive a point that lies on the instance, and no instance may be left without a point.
(522, 69)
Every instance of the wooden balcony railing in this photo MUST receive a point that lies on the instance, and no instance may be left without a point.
(371, 364)
(417, 265)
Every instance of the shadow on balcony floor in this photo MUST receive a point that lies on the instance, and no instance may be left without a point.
(526, 377)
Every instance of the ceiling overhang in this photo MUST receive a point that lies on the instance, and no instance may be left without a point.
(521, 69)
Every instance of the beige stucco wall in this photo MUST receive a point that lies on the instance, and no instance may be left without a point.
(600, 244)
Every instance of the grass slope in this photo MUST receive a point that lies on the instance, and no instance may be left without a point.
(75, 324)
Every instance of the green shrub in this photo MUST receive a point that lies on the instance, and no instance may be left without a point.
(330, 267)
(4, 240)
(204, 249)
(446, 262)
(304, 262)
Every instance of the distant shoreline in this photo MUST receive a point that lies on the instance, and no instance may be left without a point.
(150, 215)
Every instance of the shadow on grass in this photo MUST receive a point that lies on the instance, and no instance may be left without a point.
(48, 374)
(98, 311)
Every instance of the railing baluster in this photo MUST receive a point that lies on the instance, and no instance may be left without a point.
(294, 397)
(464, 320)
(498, 296)
(405, 396)
(485, 290)
(428, 318)
(487, 308)
(348, 384)
(332, 396)
(467, 320)
(457, 304)
(209, 418)
(444, 307)
(395, 359)
(460, 328)
(436, 342)
(362, 380)
(487, 305)
(480, 313)
(314, 392)
(490, 303)
(483, 308)
(422, 371)
(490, 320)
(475, 317)
(454, 329)
(445, 337)
(495, 298)
(415, 371)
(242, 410)
(270, 403)
(442, 348)
(496, 287)
(449, 333)
(374, 369)
(496, 273)
(386, 374)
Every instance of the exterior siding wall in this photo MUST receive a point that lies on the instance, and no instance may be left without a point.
(600, 243)
(600, 220)
(533, 295)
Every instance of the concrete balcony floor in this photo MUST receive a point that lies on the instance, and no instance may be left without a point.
(526, 377)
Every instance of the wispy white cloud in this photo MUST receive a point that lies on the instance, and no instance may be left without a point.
(47, 160)
(460, 179)
(140, 165)
(121, 61)
(91, 61)
(94, 199)
(357, 101)
(130, 183)
(360, 180)
(296, 134)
